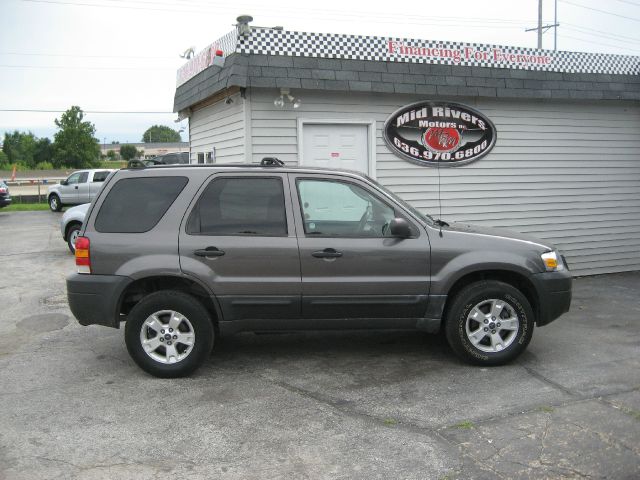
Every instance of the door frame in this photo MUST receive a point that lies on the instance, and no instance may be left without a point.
(371, 133)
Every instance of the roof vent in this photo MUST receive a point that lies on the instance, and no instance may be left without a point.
(271, 162)
(243, 24)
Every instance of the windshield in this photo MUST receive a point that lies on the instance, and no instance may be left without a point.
(422, 216)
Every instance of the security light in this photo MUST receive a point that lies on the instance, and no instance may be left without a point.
(284, 93)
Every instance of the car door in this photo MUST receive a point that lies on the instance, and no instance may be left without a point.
(351, 267)
(69, 190)
(83, 187)
(239, 238)
(95, 184)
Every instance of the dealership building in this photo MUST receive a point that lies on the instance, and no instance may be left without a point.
(537, 141)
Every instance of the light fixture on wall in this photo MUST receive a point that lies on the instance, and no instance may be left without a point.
(285, 94)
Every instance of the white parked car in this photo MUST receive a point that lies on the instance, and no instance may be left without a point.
(79, 187)
(71, 224)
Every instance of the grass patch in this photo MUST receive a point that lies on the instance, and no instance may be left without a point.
(546, 409)
(632, 413)
(25, 207)
(390, 421)
(466, 425)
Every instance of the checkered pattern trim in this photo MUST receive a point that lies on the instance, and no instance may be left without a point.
(265, 41)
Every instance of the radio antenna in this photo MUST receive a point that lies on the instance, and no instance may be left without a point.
(439, 199)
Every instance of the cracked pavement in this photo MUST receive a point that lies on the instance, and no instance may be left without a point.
(317, 405)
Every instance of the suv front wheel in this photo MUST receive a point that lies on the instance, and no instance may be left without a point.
(169, 334)
(489, 323)
(55, 205)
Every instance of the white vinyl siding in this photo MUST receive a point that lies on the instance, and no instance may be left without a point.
(567, 172)
(222, 126)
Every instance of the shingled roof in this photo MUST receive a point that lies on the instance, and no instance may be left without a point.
(269, 58)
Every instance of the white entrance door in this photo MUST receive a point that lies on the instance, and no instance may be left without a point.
(336, 146)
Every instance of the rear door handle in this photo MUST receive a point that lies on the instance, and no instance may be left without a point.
(209, 252)
(327, 253)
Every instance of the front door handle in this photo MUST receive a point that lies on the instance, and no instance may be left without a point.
(209, 252)
(327, 253)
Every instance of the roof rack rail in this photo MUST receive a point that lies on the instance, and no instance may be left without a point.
(271, 162)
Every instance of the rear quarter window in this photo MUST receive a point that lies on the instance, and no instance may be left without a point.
(136, 205)
(100, 176)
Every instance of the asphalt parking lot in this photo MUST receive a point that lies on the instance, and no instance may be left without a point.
(325, 405)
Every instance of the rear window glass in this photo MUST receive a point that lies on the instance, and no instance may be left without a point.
(100, 176)
(136, 205)
(240, 206)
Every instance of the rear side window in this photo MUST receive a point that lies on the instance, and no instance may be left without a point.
(240, 206)
(100, 176)
(136, 205)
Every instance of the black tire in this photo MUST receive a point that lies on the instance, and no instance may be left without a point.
(188, 307)
(480, 295)
(72, 234)
(54, 203)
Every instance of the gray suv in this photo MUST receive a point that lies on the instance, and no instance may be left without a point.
(183, 254)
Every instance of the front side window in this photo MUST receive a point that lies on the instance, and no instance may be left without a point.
(240, 206)
(136, 205)
(340, 209)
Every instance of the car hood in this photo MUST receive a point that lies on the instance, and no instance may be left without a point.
(77, 212)
(500, 233)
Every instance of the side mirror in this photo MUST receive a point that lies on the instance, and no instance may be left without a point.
(400, 228)
(64, 182)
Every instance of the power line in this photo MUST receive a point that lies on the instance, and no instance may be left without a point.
(635, 4)
(601, 11)
(624, 42)
(72, 55)
(61, 67)
(335, 16)
(591, 42)
(601, 32)
(84, 111)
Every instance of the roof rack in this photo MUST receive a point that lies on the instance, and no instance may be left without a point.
(271, 162)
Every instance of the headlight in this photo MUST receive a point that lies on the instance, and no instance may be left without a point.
(552, 261)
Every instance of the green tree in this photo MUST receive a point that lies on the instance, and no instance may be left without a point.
(127, 152)
(160, 133)
(43, 151)
(20, 148)
(74, 144)
(111, 154)
(4, 161)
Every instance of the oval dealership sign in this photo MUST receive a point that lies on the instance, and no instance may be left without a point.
(439, 134)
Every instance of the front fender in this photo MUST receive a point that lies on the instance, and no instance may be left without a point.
(447, 273)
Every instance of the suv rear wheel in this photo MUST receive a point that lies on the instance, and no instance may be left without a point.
(489, 323)
(169, 334)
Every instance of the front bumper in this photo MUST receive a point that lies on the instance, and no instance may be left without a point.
(95, 299)
(554, 295)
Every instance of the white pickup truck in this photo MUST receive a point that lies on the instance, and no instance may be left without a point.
(79, 187)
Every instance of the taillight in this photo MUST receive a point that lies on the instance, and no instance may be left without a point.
(83, 258)
(3, 190)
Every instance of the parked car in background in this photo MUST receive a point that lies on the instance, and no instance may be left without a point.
(79, 187)
(71, 224)
(5, 196)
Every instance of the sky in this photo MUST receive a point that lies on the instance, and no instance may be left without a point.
(122, 55)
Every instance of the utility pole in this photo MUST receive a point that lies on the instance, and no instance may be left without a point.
(543, 28)
(539, 24)
(555, 27)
